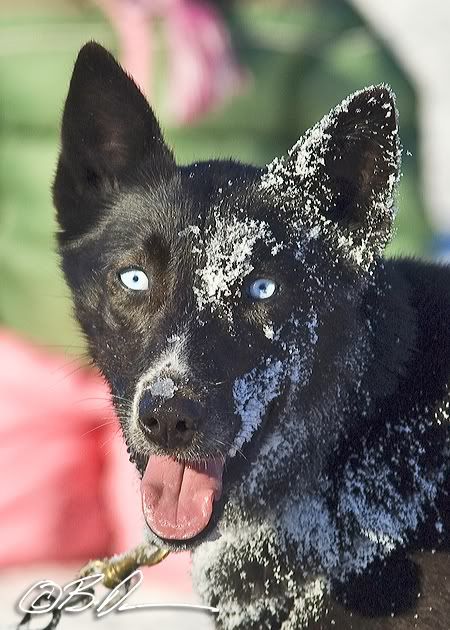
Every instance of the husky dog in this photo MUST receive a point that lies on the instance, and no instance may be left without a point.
(282, 388)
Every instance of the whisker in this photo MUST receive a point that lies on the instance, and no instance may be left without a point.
(63, 346)
(98, 427)
(229, 445)
(217, 383)
(72, 372)
(106, 399)
(110, 439)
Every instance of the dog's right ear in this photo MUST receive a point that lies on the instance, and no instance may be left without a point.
(109, 135)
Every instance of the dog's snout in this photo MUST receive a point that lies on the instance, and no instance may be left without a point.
(170, 423)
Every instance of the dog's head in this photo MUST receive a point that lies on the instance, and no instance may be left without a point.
(213, 295)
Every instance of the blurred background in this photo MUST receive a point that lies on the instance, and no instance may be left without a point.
(239, 79)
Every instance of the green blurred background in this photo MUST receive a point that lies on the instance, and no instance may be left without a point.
(303, 58)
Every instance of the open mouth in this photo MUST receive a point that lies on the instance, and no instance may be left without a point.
(178, 497)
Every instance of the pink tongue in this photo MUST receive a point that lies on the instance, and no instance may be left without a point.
(177, 499)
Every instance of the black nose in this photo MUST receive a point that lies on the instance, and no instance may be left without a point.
(169, 423)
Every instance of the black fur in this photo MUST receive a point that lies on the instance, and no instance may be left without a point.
(335, 514)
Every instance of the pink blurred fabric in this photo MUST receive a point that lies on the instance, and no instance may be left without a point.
(202, 73)
(67, 491)
(67, 488)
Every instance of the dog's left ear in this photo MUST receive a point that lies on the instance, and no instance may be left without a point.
(109, 137)
(342, 174)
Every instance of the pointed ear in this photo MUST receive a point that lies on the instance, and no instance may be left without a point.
(345, 169)
(109, 134)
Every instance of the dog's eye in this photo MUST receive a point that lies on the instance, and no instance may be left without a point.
(134, 279)
(262, 289)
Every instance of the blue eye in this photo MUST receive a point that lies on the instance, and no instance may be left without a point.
(262, 288)
(134, 279)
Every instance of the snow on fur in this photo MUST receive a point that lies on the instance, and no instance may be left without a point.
(296, 536)
(230, 244)
(254, 391)
(300, 184)
(163, 387)
(370, 505)
(252, 394)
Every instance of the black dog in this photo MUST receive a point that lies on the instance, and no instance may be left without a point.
(283, 389)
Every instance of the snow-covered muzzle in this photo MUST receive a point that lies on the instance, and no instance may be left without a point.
(184, 487)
